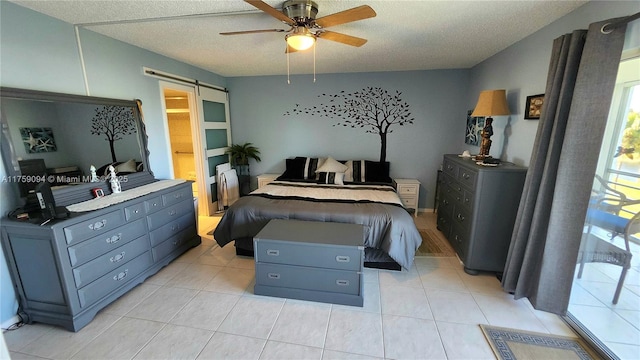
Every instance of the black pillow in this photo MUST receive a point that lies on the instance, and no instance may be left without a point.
(375, 171)
(295, 169)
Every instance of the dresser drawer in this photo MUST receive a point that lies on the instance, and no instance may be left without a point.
(450, 168)
(467, 200)
(94, 247)
(162, 233)
(445, 205)
(312, 255)
(443, 223)
(96, 226)
(462, 217)
(407, 189)
(95, 268)
(114, 279)
(467, 177)
(169, 214)
(300, 277)
(153, 205)
(136, 211)
(459, 239)
(173, 243)
(409, 202)
(177, 196)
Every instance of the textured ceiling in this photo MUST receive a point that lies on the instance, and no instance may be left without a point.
(405, 35)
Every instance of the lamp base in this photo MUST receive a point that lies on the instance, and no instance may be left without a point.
(486, 133)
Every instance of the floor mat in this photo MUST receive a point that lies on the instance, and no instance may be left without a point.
(434, 244)
(521, 345)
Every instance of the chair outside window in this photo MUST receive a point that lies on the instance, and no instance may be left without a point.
(604, 213)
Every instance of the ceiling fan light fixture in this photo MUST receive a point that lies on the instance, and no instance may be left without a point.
(300, 39)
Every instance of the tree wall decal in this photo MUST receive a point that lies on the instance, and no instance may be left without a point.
(373, 109)
(113, 122)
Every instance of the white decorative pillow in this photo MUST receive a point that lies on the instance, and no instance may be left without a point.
(128, 167)
(331, 165)
(348, 175)
(331, 178)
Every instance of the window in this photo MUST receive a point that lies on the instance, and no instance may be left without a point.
(621, 165)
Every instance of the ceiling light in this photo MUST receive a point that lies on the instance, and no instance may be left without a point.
(300, 39)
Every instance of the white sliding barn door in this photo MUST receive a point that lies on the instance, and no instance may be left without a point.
(215, 134)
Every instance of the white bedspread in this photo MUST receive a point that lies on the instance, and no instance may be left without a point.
(372, 193)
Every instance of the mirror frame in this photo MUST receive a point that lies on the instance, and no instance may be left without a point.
(79, 192)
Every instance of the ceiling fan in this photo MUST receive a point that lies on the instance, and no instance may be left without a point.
(304, 29)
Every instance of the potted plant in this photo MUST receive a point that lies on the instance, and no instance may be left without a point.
(240, 155)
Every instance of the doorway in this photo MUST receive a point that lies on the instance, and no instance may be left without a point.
(180, 136)
(182, 129)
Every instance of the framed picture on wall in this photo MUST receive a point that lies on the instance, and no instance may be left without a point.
(533, 106)
(474, 127)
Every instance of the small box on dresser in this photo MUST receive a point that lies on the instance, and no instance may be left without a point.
(477, 210)
(310, 260)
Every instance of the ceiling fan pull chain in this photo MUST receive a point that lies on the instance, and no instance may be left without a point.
(288, 80)
(314, 61)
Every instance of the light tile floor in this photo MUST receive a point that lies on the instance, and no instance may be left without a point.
(202, 306)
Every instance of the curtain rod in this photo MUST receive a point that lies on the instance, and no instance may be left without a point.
(607, 28)
(185, 80)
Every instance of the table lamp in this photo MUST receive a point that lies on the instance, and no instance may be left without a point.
(490, 103)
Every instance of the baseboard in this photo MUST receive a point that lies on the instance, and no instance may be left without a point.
(10, 321)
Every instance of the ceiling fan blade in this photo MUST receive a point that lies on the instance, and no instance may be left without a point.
(354, 14)
(341, 38)
(252, 31)
(271, 11)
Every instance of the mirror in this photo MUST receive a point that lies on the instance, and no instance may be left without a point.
(64, 135)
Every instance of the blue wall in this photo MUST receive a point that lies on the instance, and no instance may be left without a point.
(41, 53)
(436, 99)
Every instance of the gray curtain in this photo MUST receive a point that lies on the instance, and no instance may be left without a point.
(546, 237)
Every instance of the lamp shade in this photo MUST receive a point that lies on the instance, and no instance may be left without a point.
(490, 103)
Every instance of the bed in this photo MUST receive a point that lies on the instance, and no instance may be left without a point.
(391, 237)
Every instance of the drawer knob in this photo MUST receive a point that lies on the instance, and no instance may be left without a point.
(342, 282)
(98, 225)
(272, 252)
(273, 276)
(136, 211)
(172, 212)
(343, 258)
(117, 258)
(460, 217)
(114, 239)
(121, 276)
(466, 176)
